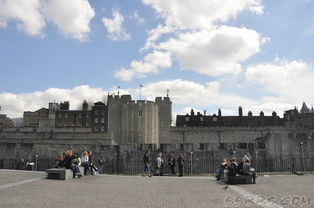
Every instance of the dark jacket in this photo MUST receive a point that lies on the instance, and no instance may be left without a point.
(172, 161)
(146, 158)
(180, 161)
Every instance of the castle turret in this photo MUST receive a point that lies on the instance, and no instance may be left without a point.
(240, 111)
(164, 115)
(114, 104)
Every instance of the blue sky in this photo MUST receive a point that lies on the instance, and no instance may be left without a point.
(209, 54)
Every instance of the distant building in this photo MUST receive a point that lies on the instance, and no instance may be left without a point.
(5, 121)
(200, 120)
(32, 119)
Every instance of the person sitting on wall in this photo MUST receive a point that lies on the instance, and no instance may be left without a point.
(101, 164)
(221, 170)
(231, 167)
(75, 164)
(21, 165)
(240, 167)
(248, 170)
(60, 162)
(69, 156)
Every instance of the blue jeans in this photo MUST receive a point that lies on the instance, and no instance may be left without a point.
(75, 169)
(146, 168)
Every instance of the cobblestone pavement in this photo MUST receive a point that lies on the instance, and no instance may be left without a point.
(125, 192)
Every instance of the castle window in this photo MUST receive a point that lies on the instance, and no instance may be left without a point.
(102, 120)
(242, 145)
(187, 119)
(214, 119)
(223, 146)
(102, 112)
(80, 115)
(202, 146)
(201, 118)
(59, 115)
(96, 128)
(96, 112)
(96, 120)
(102, 128)
(86, 115)
(140, 113)
(65, 115)
(261, 145)
(86, 124)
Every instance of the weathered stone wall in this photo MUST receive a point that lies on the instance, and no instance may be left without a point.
(140, 123)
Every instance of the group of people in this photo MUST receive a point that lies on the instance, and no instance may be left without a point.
(229, 169)
(159, 164)
(73, 161)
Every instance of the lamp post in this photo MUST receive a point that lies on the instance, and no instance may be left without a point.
(256, 152)
(191, 162)
(36, 162)
(302, 155)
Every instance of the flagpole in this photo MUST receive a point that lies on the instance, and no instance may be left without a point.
(139, 92)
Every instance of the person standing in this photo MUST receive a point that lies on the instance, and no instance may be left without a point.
(180, 164)
(85, 161)
(172, 164)
(146, 160)
(158, 165)
(161, 164)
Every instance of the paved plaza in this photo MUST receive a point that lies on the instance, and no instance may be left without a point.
(31, 189)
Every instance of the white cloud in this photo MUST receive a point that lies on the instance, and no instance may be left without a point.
(198, 41)
(137, 17)
(288, 81)
(26, 14)
(114, 26)
(71, 17)
(191, 93)
(200, 14)
(214, 52)
(15, 104)
(152, 63)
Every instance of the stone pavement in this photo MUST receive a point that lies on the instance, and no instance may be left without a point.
(29, 189)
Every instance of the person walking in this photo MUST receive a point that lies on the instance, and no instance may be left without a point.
(180, 161)
(146, 160)
(172, 164)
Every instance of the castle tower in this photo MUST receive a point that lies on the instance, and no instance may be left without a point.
(114, 104)
(165, 117)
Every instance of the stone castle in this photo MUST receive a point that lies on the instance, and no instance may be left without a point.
(137, 125)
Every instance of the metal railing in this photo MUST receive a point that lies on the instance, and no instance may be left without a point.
(196, 163)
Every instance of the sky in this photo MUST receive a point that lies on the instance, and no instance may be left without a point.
(209, 54)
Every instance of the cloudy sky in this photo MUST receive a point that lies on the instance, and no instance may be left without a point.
(210, 54)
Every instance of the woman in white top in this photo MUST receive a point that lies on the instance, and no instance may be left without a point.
(84, 159)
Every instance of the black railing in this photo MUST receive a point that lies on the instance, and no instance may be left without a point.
(197, 163)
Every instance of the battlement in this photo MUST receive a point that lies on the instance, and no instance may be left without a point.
(224, 128)
(162, 99)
